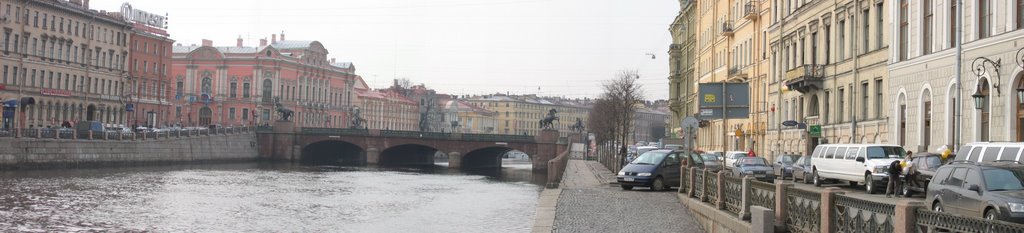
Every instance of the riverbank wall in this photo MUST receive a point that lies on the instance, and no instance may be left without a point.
(40, 153)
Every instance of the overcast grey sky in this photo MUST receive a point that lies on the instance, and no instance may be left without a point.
(548, 47)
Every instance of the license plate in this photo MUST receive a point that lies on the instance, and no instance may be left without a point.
(627, 179)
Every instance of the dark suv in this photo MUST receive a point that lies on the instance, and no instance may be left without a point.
(924, 166)
(991, 190)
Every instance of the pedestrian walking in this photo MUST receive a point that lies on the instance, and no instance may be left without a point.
(894, 175)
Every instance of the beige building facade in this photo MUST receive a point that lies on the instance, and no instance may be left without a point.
(729, 47)
(829, 70)
(923, 90)
(66, 57)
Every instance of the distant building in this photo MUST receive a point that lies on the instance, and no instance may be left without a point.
(388, 110)
(148, 92)
(649, 125)
(240, 85)
(521, 114)
(469, 117)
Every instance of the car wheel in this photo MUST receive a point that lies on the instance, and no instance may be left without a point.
(627, 187)
(905, 190)
(937, 207)
(807, 180)
(658, 185)
(990, 214)
(869, 184)
(817, 179)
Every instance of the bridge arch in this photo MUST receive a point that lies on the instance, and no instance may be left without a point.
(488, 157)
(333, 152)
(408, 155)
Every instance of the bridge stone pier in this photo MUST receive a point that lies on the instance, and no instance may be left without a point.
(356, 147)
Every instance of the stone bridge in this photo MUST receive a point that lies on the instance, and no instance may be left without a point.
(356, 147)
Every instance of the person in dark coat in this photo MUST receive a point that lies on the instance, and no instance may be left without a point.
(894, 177)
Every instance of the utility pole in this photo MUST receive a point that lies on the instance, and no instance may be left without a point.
(959, 72)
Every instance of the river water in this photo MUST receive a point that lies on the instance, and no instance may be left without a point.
(271, 198)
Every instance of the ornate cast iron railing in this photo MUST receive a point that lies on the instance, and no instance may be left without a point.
(762, 194)
(698, 184)
(857, 215)
(334, 131)
(803, 211)
(930, 221)
(497, 137)
(733, 194)
(711, 186)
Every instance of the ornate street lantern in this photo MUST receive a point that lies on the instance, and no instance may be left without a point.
(1020, 94)
(979, 98)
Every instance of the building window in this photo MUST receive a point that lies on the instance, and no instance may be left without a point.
(828, 41)
(268, 86)
(984, 19)
(864, 103)
(825, 108)
(1020, 14)
(245, 90)
(207, 86)
(177, 111)
(879, 29)
(842, 39)
(842, 105)
(867, 30)
(179, 89)
(952, 22)
(245, 114)
(879, 92)
(904, 50)
(926, 27)
(231, 113)
(233, 89)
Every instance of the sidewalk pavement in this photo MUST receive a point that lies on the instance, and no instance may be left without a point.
(587, 201)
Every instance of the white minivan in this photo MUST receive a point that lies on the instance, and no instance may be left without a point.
(731, 156)
(990, 152)
(855, 163)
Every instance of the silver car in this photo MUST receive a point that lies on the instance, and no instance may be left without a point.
(712, 162)
(756, 167)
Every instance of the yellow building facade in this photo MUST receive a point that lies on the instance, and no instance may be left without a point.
(521, 114)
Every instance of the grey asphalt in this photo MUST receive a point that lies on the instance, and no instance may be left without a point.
(589, 203)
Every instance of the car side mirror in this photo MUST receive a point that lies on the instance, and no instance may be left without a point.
(974, 188)
(860, 159)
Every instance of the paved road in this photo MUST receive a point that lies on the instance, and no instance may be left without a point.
(588, 203)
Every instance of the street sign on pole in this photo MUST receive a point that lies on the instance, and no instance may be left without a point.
(814, 131)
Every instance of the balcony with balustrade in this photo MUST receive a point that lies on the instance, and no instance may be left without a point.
(750, 11)
(727, 29)
(806, 78)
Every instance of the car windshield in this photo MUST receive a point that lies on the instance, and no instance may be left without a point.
(752, 162)
(933, 161)
(651, 157)
(881, 152)
(998, 179)
(789, 159)
(709, 157)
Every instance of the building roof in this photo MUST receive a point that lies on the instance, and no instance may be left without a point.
(222, 49)
(292, 44)
(343, 65)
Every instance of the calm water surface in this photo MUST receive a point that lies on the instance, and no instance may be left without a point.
(270, 198)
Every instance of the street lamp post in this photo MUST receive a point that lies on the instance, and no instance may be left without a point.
(979, 98)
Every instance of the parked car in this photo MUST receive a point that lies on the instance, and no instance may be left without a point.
(802, 169)
(991, 190)
(672, 146)
(783, 165)
(753, 166)
(990, 151)
(712, 162)
(657, 169)
(924, 166)
(856, 163)
(731, 156)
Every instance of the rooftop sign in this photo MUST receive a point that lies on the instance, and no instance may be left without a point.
(149, 19)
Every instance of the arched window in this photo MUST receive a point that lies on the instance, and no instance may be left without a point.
(207, 85)
(985, 111)
(814, 106)
(926, 119)
(268, 87)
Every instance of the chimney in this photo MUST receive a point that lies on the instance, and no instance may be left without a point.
(77, 2)
(273, 38)
(239, 43)
(85, 4)
(332, 60)
(282, 35)
(207, 42)
(263, 42)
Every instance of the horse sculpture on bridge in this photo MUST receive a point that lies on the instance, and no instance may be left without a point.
(546, 123)
(578, 127)
(285, 112)
(357, 119)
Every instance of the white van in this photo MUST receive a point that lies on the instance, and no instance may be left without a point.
(990, 151)
(856, 163)
(731, 156)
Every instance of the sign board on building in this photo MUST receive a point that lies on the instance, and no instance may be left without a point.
(814, 131)
(55, 92)
(131, 14)
(724, 100)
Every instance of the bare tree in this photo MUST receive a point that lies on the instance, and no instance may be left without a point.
(613, 113)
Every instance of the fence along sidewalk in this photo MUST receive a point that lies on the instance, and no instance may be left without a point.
(827, 211)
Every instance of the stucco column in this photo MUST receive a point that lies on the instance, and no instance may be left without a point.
(828, 205)
(372, 155)
(454, 160)
(905, 218)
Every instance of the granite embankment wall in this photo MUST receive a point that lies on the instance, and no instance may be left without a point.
(23, 153)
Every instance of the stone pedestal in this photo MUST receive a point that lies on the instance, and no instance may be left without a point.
(284, 127)
(547, 136)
